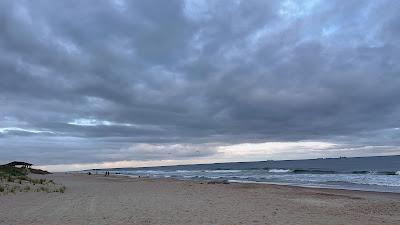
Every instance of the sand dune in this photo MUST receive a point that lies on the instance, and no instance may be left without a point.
(121, 200)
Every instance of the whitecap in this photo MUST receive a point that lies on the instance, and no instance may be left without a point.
(279, 171)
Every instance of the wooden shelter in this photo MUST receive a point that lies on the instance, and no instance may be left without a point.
(19, 164)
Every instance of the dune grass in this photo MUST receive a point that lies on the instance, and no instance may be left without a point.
(13, 180)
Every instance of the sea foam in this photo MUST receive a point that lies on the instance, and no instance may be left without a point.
(280, 171)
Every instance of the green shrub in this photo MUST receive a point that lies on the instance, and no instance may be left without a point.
(10, 179)
(44, 189)
(12, 171)
(23, 178)
(34, 181)
(62, 189)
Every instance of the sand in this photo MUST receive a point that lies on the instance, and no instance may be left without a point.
(121, 200)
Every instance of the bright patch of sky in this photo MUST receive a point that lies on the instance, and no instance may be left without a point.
(292, 9)
(5, 130)
(196, 10)
(68, 47)
(119, 4)
(328, 31)
(93, 122)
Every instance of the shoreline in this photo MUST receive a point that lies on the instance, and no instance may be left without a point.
(326, 187)
(119, 199)
(317, 187)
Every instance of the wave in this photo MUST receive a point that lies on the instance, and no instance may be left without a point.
(363, 179)
(361, 172)
(276, 171)
(314, 171)
(280, 171)
(181, 171)
(222, 171)
(386, 173)
(377, 172)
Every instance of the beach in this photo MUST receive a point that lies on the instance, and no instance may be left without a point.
(95, 199)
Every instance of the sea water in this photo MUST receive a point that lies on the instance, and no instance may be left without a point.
(381, 173)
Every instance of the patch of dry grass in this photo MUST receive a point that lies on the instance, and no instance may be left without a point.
(13, 180)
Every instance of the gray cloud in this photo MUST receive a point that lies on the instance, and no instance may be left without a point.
(189, 74)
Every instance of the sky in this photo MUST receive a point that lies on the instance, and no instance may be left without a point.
(95, 84)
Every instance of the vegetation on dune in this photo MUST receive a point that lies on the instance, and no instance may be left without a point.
(12, 171)
(38, 171)
(14, 179)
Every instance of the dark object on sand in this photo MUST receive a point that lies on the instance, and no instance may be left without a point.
(218, 182)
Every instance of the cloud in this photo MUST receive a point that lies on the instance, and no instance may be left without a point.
(17, 129)
(108, 81)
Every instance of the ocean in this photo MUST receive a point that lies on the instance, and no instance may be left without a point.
(379, 173)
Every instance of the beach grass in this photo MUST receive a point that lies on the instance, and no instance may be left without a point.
(13, 180)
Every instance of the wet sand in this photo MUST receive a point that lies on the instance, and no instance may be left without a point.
(121, 200)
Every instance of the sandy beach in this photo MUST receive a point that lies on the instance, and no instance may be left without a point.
(122, 200)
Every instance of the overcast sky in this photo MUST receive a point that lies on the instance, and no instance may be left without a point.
(130, 83)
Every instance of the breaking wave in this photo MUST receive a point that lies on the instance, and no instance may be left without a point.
(280, 171)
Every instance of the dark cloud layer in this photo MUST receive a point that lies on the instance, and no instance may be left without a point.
(93, 81)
